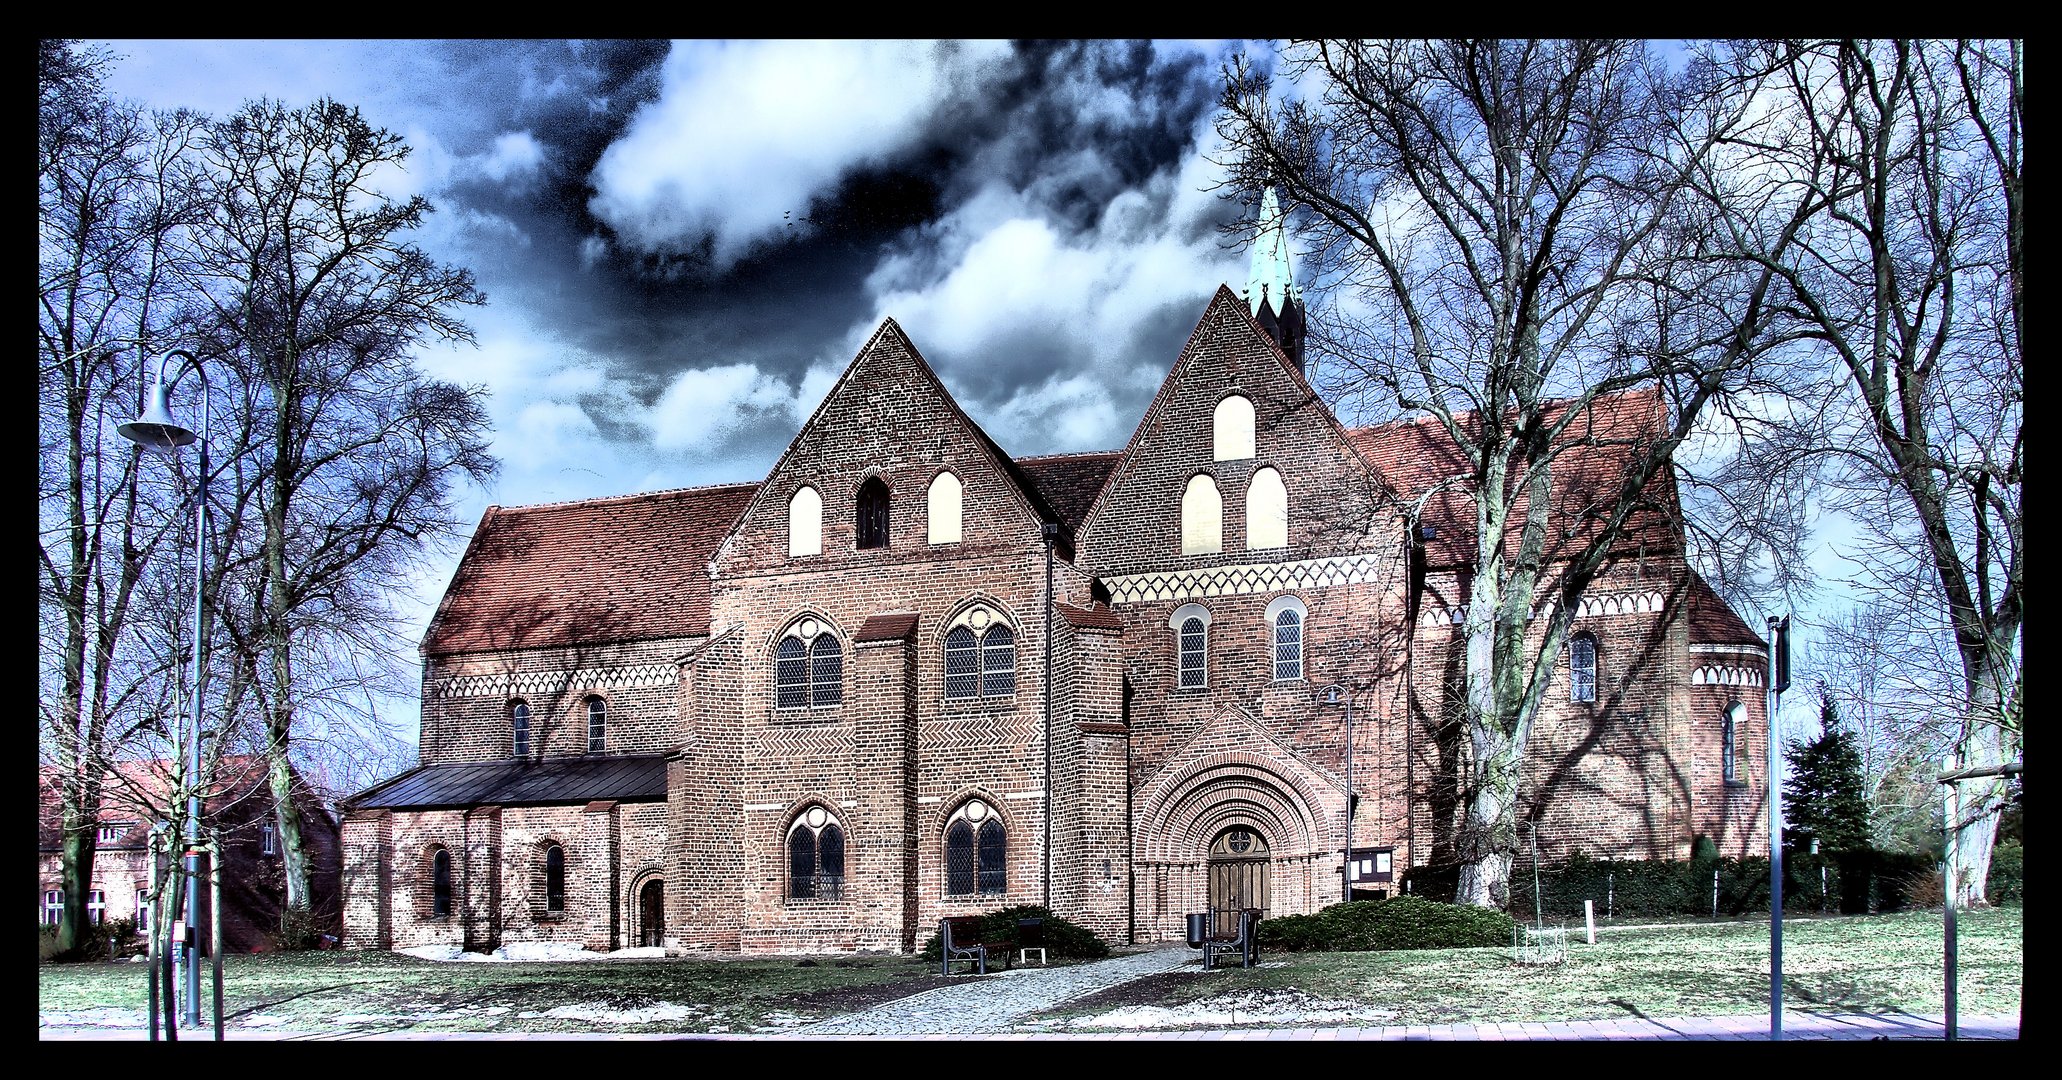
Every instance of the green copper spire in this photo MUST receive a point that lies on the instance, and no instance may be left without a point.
(1271, 278)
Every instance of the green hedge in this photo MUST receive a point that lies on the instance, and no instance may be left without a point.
(2007, 869)
(1063, 940)
(1854, 882)
(1403, 922)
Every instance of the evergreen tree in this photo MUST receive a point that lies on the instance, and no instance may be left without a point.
(1822, 796)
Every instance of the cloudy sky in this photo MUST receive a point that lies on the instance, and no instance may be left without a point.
(683, 244)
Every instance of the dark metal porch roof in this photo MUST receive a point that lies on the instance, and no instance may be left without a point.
(621, 777)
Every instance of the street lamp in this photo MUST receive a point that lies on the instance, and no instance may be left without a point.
(1336, 694)
(156, 430)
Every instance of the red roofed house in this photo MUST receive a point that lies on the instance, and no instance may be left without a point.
(907, 675)
(241, 810)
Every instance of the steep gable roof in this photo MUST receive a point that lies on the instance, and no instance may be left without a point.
(628, 568)
(1070, 482)
(1712, 621)
(1414, 455)
(887, 341)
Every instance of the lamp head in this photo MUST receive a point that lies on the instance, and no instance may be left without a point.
(155, 428)
(1332, 695)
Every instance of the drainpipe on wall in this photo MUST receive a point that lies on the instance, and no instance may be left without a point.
(1052, 533)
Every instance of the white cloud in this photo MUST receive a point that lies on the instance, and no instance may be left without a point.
(746, 133)
(702, 404)
(516, 154)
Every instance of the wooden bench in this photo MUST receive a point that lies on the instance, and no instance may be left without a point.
(1232, 931)
(959, 938)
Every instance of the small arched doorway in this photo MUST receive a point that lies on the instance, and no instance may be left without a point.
(1239, 860)
(651, 913)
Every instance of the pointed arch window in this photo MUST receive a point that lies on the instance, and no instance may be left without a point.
(976, 852)
(808, 667)
(554, 878)
(816, 856)
(942, 514)
(1582, 667)
(440, 884)
(805, 522)
(519, 728)
(1202, 516)
(870, 513)
(1267, 510)
(1191, 626)
(597, 725)
(1231, 429)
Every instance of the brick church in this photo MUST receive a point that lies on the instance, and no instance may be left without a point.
(907, 675)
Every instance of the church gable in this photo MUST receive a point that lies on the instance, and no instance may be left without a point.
(1236, 461)
(888, 467)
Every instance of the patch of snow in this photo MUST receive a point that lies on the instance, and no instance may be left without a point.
(1244, 1008)
(530, 952)
(599, 1013)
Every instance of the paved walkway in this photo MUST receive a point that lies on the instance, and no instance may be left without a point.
(996, 1006)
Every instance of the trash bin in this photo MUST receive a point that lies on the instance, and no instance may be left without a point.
(1199, 928)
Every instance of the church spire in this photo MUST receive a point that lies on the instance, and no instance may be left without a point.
(1271, 292)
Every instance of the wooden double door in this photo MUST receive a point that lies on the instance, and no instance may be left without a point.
(1239, 863)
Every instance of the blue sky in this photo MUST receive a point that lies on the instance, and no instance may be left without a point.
(683, 244)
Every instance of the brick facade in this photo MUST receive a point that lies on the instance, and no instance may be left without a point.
(804, 811)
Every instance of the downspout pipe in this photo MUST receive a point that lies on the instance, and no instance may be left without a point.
(1051, 533)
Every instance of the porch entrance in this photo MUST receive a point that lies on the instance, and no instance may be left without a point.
(651, 913)
(1239, 862)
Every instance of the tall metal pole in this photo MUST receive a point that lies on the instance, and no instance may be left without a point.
(1953, 819)
(191, 948)
(1775, 849)
(1346, 879)
(1050, 531)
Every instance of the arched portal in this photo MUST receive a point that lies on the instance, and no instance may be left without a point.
(651, 913)
(1239, 860)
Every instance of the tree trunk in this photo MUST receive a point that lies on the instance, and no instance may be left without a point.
(1489, 831)
(1984, 742)
(81, 838)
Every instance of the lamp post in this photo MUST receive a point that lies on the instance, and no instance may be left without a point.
(156, 430)
(1336, 694)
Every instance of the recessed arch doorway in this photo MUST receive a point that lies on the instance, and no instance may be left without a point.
(651, 913)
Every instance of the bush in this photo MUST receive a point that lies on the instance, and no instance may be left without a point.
(2007, 870)
(1403, 922)
(111, 940)
(1063, 940)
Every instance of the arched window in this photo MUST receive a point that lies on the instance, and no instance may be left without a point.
(1231, 429)
(942, 514)
(1267, 511)
(519, 727)
(1582, 667)
(870, 514)
(808, 667)
(980, 655)
(1191, 626)
(1202, 517)
(816, 857)
(1729, 744)
(440, 884)
(976, 852)
(554, 878)
(805, 522)
(597, 725)
(1286, 620)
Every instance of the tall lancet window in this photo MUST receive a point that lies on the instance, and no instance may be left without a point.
(1202, 517)
(1267, 511)
(871, 514)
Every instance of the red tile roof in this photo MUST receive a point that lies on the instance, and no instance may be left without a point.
(134, 793)
(1070, 482)
(1096, 617)
(1712, 621)
(896, 626)
(630, 568)
(1412, 456)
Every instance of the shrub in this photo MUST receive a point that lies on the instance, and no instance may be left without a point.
(2007, 870)
(111, 940)
(1403, 922)
(1063, 940)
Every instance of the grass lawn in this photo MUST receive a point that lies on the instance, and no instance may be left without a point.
(1879, 963)
(1882, 963)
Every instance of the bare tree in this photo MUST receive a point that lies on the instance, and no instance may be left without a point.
(1503, 236)
(1910, 282)
(116, 195)
(350, 454)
